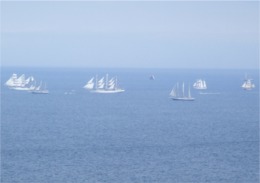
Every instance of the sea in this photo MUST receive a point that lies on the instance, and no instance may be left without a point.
(140, 136)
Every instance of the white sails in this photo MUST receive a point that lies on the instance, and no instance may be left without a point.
(11, 82)
(90, 84)
(25, 84)
(200, 84)
(248, 84)
(176, 94)
(40, 89)
(20, 83)
(103, 85)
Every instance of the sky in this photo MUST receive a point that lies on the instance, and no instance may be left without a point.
(130, 34)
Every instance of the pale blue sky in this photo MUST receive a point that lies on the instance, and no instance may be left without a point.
(131, 34)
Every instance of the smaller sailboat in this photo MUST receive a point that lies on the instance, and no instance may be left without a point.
(40, 90)
(200, 84)
(152, 77)
(176, 94)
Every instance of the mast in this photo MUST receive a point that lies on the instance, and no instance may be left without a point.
(116, 83)
(106, 82)
(204, 84)
(177, 90)
(96, 82)
(189, 95)
(183, 89)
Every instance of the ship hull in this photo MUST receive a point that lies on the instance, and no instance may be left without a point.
(107, 91)
(183, 99)
(40, 92)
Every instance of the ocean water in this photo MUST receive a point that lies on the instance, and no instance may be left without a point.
(139, 136)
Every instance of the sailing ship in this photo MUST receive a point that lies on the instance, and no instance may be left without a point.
(200, 84)
(20, 83)
(248, 84)
(152, 77)
(103, 85)
(40, 89)
(176, 94)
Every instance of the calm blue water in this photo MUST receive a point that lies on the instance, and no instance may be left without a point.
(140, 136)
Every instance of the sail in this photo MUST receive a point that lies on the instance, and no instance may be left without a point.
(90, 84)
(112, 80)
(21, 81)
(204, 84)
(101, 81)
(103, 85)
(248, 84)
(176, 95)
(173, 92)
(12, 80)
(39, 87)
(200, 84)
(244, 85)
(32, 87)
(111, 84)
(29, 79)
(189, 95)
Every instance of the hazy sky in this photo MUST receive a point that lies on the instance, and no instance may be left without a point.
(130, 34)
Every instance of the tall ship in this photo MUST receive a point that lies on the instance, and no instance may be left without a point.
(103, 85)
(200, 84)
(20, 83)
(248, 84)
(179, 93)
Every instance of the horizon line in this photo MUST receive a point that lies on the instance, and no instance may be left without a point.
(95, 67)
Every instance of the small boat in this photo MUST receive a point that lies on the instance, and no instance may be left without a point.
(152, 77)
(180, 95)
(103, 85)
(200, 84)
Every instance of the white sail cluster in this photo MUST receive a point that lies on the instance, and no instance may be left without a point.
(248, 84)
(103, 85)
(23, 83)
(200, 84)
(20, 83)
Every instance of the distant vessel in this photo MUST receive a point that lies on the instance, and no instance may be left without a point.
(200, 84)
(180, 95)
(152, 77)
(248, 84)
(103, 85)
(40, 90)
(20, 83)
